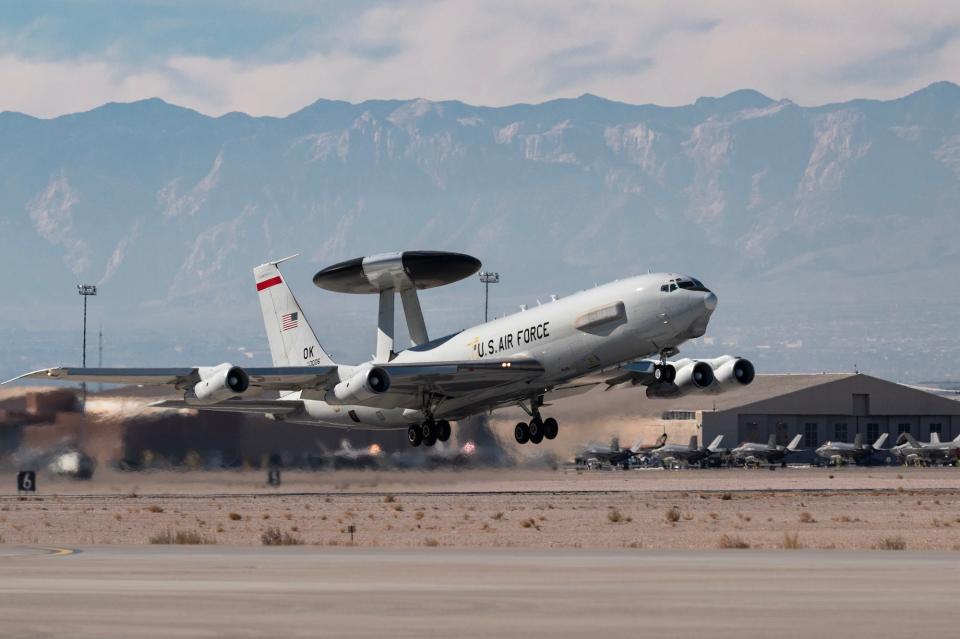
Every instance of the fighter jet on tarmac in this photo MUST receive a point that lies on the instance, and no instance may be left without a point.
(675, 455)
(910, 451)
(596, 456)
(839, 453)
(754, 454)
(524, 359)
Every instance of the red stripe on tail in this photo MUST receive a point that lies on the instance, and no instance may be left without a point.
(265, 284)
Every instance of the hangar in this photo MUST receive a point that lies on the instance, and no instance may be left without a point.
(820, 407)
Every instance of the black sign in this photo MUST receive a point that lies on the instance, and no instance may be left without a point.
(27, 481)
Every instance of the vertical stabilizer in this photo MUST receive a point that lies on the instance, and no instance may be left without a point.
(292, 341)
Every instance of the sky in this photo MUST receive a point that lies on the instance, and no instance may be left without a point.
(273, 58)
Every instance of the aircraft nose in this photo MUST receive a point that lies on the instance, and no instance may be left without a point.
(710, 301)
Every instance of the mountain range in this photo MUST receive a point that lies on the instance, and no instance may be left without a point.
(829, 232)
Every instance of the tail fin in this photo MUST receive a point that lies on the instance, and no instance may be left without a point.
(880, 440)
(661, 441)
(792, 446)
(858, 440)
(693, 442)
(715, 444)
(292, 341)
(772, 441)
(637, 446)
(957, 439)
(934, 438)
(909, 439)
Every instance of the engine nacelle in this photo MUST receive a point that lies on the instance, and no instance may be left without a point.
(691, 376)
(218, 383)
(363, 384)
(730, 372)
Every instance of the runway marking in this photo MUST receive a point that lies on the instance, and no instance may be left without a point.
(48, 551)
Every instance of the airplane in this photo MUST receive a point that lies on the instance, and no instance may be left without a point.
(753, 454)
(625, 331)
(689, 455)
(908, 450)
(842, 452)
(595, 456)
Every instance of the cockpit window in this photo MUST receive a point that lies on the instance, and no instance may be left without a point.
(689, 284)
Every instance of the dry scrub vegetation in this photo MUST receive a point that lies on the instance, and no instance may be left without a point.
(181, 537)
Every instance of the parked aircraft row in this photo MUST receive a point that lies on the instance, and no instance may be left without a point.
(619, 334)
(907, 450)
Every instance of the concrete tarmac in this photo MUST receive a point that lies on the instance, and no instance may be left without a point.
(214, 591)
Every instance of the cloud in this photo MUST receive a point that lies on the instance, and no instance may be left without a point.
(497, 52)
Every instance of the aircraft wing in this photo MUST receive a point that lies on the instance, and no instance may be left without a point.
(271, 378)
(456, 378)
(256, 406)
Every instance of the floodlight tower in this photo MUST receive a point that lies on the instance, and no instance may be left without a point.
(85, 290)
(488, 278)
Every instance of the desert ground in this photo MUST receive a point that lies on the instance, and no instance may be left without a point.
(848, 508)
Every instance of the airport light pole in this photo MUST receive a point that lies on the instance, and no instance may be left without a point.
(488, 278)
(85, 291)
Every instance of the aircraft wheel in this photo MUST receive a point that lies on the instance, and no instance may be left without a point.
(671, 373)
(536, 430)
(550, 428)
(522, 433)
(431, 440)
(443, 430)
(414, 436)
(658, 373)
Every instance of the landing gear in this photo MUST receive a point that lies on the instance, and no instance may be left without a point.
(664, 373)
(522, 433)
(443, 430)
(414, 436)
(550, 428)
(428, 430)
(536, 430)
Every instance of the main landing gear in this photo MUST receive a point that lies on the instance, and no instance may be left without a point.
(429, 432)
(536, 430)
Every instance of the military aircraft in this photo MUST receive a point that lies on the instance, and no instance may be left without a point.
(842, 452)
(910, 451)
(674, 455)
(754, 454)
(522, 359)
(595, 456)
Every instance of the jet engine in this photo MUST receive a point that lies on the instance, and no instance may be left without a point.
(730, 372)
(221, 382)
(366, 382)
(691, 376)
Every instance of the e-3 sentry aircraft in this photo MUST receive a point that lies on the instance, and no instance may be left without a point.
(567, 346)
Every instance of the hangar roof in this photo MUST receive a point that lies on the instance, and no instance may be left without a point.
(823, 394)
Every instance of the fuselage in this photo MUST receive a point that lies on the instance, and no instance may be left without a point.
(570, 337)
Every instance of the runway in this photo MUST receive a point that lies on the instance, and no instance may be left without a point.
(177, 591)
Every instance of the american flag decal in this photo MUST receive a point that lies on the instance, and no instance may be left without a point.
(288, 321)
